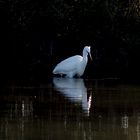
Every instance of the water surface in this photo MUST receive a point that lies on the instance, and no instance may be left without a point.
(72, 109)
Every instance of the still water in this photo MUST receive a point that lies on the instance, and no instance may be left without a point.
(70, 109)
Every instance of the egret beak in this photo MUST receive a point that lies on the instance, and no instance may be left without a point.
(90, 56)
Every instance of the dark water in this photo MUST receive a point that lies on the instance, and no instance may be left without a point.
(70, 109)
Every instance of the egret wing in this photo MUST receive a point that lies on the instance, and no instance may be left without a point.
(68, 64)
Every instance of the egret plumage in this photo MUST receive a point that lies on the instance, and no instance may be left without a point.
(74, 65)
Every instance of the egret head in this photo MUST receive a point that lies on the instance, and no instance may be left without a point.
(87, 50)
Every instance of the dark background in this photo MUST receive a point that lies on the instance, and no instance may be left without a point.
(41, 33)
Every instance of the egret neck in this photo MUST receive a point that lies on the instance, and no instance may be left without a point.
(85, 58)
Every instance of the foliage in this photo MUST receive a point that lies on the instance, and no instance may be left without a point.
(43, 26)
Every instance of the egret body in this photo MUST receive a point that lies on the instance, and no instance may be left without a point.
(74, 65)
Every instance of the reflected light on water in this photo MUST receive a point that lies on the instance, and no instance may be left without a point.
(89, 102)
(125, 121)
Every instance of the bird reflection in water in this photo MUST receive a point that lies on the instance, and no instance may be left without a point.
(74, 90)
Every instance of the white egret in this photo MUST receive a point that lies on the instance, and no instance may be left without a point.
(74, 65)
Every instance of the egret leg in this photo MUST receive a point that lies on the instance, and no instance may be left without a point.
(70, 75)
(61, 75)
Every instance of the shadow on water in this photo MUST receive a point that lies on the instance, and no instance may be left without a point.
(70, 108)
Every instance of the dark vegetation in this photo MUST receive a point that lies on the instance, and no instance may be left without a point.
(42, 33)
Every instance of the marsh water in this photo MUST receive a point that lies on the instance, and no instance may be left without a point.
(70, 109)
